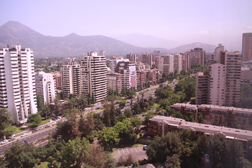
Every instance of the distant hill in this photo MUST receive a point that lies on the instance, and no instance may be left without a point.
(184, 48)
(71, 45)
(74, 45)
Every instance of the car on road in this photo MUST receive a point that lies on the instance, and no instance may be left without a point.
(34, 130)
(145, 147)
(97, 108)
(4, 141)
(24, 134)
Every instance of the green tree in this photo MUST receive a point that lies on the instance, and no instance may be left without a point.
(151, 101)
(74, 153)
(108, 137)
(39, 102)
(34, 118)
(148, 117)
(93, 99)
(128, 113)
(20, 156)
(200, 119)
(5, 120)
(164, 146)
(122, 103)
(172, 162)
(136, 121)
(45, 111)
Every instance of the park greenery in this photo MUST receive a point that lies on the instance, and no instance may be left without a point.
(181, 150)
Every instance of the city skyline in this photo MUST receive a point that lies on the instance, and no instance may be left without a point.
(210, 22)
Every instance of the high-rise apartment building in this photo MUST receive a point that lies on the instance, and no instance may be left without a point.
(147, 59)
(168, 64)
(233, 77)
(114, 81)
(159, 62)
(70, 79)
(216, 84)
(178, 63)
(128, 73)
(247, 46)
(114, 61)
(93, 76)
(197, 56)
(185, 62)
(223, 79)
(17, 80)
(57, 77)
(201, 91)
(131, 57)
(46, 87)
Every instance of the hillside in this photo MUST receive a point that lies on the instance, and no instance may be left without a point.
(75, 45)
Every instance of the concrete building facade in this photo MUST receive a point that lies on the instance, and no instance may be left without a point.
(216, 84)
(114, 81)
(70, 79)
(57, 77)
(168, 64)
(233, 77)
(178, 63)
(17, 80)
(46, 87)
(128, 73)
(201, 91)
(93, 76)
(247, 46)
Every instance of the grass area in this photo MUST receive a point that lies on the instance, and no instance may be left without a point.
(97, 111)
(32, 125)
(19, 129)
(41, 165)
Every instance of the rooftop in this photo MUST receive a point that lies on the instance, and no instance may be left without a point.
(230, 133)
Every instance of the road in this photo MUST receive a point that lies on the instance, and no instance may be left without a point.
(33, 137)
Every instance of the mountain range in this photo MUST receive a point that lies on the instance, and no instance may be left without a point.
(13, 32)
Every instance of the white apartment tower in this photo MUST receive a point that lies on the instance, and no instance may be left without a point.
(168, 64)
(46, 87)
(216, 84)
(93, 76)
(17, 80)
(178, 63)
(70, 79)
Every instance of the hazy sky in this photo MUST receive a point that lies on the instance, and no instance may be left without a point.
(211, 21)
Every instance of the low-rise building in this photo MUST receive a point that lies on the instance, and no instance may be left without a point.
(114, 81)
(160, 125)
(217, 115)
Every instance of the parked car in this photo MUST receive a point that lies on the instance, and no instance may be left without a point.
(145, 147)
(34, 130)
(24, 134)
(4, 141)
(12, 136)
(54, 119)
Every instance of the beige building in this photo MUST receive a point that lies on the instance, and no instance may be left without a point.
(93, 76)
(196, 56)
(70, 79)
(168, 64)
(178, 63)
(114, 81)
(46, 87)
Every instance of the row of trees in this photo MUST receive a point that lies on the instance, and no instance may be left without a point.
(76, 152)
(184, 90)
(180, 149)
